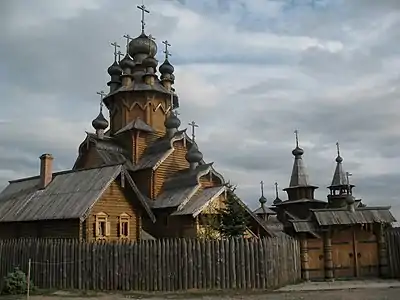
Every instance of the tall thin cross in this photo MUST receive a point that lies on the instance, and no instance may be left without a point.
(193, 125)
(144, 10)
(128, 39)
(102, 95)
(296, 132)
(338, 148)
(166, 51)
(119, 53)
(276, 189)
(116, 46)
(262, 188)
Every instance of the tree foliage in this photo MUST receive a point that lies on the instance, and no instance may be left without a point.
(16, 283)
(234, 218)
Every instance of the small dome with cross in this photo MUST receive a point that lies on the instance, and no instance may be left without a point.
(143, 44)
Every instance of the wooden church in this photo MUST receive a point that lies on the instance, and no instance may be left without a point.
(340, 237)
(138, 176)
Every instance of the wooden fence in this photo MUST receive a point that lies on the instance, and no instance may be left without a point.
(161, 265)
(393, 250)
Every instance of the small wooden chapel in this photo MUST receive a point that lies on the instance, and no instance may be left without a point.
(340, 237)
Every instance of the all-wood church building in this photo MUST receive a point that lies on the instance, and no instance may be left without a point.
(340, 237)
(138, 176)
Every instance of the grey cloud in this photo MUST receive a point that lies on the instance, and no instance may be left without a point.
(55, 67)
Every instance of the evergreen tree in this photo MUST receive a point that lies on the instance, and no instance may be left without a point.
(234, 216)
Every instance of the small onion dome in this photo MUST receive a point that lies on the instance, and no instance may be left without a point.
(194, 155)
(142, 44)
(166, 67)
(298, 151)
(127, 62)
(262, 200)
(100, 122)
(172, 121)
(114, 69)
(277, 201)
(150, 61)
(339, 159)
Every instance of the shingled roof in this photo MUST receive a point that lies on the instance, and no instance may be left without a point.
(70, 195)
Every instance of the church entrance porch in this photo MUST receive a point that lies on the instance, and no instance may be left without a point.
(343, 252)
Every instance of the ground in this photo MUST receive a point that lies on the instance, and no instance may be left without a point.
(345, 290)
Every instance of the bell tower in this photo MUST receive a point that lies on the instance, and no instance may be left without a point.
(136, 90)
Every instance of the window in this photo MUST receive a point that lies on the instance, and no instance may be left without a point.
(124, 225)
(102, 226)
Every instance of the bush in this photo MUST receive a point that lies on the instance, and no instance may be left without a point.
(16, 283)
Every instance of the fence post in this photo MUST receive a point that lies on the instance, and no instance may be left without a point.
(28, 284)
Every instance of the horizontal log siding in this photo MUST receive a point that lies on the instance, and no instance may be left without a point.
(114, 202)
(175, 162)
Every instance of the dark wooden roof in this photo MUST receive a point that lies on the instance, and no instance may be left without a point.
(263, 210)
(70, 195)
(362, 215)
(137, 124)
(200, 201)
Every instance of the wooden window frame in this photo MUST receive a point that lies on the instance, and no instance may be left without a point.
(124, 219)
(102, 218)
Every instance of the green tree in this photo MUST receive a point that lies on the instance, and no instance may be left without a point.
(234, 218)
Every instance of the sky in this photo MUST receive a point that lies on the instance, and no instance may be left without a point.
(249, 72)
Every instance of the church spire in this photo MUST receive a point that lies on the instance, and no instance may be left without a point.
(299, 186)
(166, 69)
(100, 123)
(193, 156)
(277, 199)
(339, 176)
(114, 70)
(340, 188)
(262, 199)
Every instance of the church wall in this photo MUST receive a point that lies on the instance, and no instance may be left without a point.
(143, 180)
(168, 226)
(175, 162)
(114, 202)
(66, 229)
(208, 181)
(90, 159)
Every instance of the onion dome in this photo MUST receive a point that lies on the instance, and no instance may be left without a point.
(100, 123)
(298, 151)
(194, 155)
(114, 69)
(262, 200)
(339, 159)
(150, 62)
(127, 62)
(166, 67)
(277, 201)
(143, 45)
(172, 121)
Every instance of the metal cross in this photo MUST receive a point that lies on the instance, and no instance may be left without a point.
(296, 132)
(262, 188)
(115, 50)
(119, 55)
(128, 39)
(144, 10)
(102, 95)
(338, 148)
(166, 51)
(193, 125)
(276, 189)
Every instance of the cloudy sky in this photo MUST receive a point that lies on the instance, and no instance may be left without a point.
(248, 72)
